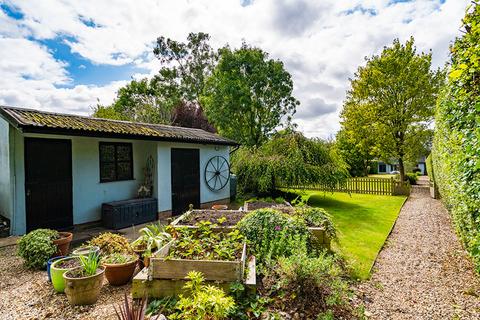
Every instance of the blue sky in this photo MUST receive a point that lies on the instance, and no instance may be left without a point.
(67, 55)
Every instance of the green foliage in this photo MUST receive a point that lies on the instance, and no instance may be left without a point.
(203, 301)
(289, 158)
(139, 101)
(412, 178)
(429, 166)
(249, 305)
(152, 236)
(318, 217)
(203, 243)
(272, 234)
(310, 285)
(162, 306)
(119, 258)
(110, 243)
(169, 95)
(89, 263)
(457, 136)
(248, 95)
(37, 247)
(390, 104)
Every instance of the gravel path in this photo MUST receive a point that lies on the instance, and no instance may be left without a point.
(26, 294)
(422, 272)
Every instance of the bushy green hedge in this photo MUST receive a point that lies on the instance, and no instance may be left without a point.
(456, 148)
(429, 165)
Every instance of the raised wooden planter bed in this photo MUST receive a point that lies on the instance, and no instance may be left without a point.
(162, 267)
(188, 220)
(144, 285)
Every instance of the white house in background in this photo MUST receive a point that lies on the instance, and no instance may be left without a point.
(56, 170)
(384, 167)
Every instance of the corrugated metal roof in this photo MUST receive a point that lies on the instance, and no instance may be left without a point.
(30, 120)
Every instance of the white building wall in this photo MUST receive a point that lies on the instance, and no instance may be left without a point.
(164, 190)
(6, 169)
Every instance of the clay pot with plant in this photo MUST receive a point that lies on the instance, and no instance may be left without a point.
(152, 237)
(83, 284)
(85, 250)
(63, 243)
(58, 268)
(119, 268)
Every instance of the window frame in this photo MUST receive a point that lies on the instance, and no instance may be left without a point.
(116, 161)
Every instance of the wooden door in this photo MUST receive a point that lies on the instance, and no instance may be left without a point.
(48, 183)
(185, 179)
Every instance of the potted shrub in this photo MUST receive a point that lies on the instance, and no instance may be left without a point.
(62, 242)
(37, 247)
(58, 268)
(152, 237)
(119, 268)
(111, 243)
(83, 284)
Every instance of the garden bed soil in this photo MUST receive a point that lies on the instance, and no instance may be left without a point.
(68, 264)
(232, 217)
(254, 205)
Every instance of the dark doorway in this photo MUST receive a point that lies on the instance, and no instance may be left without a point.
(185, 180)
(48, 183)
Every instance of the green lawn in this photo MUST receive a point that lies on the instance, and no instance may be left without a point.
(363, 223)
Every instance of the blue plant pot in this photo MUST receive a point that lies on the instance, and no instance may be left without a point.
(49, 263)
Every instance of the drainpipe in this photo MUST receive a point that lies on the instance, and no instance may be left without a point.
(235, 149)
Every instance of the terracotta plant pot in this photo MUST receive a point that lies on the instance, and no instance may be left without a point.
(57, 272)
(146, 262)
(119, 274)
(219, 207)
(84, 290)
(63, 244)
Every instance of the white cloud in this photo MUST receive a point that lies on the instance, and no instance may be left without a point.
(321, 42)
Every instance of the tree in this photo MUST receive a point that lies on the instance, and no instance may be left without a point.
(398, 90)
(287, 159)
(248, 95)
(191, 115)
(355, 141)
(184, 67)
(139, 101)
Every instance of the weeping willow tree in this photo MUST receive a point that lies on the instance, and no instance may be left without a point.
(287, 159)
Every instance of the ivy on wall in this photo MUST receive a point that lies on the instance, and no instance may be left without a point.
(456, 149)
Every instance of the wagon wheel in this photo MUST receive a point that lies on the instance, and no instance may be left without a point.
(217, 173)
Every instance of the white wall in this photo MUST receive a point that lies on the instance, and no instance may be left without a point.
(88, 192)
(6, 172)
(164, 190)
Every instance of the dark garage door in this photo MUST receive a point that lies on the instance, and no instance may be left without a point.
(48, 183)
(185, 179)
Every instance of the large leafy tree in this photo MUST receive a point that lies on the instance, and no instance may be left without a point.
(397, 90)
(248, 95)
(179, 82)
(355, 141)
(287, 159)
(139, 101)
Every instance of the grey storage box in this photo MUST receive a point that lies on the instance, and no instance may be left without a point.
(126, 213)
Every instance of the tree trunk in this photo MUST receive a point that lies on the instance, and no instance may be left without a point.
(401, 168)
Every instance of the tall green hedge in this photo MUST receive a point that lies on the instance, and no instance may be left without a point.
(456, 149)
(429, 165)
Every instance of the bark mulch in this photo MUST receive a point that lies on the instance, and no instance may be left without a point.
(27, 294)
(423, 272)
